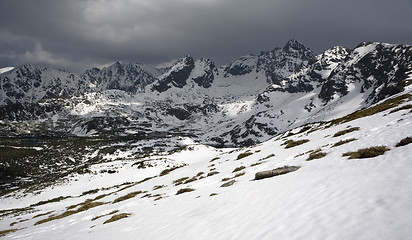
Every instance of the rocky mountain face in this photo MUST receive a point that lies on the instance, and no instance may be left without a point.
(30, 84)
(176, 76)
(129, 77)
(248, 101)
(282, 62)
(381, 69)
(275, 64)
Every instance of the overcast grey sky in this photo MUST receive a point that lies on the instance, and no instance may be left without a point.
(79, 34)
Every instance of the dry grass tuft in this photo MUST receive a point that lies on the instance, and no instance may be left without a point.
(225, 179)
(158, 198)
(144, 180)
(168, 170)
(5, 232)
(268, 156)
(158, 187)
(346, 131)
(228, 184)
(367, 152)
(89, 205)
(180, 181)
(341, 142)
(127, 196)
(316, 155)
(212, 173)
(243, 155)
(184, 190)
(90, 191)
(97, 217)
(404, 142)
(291, 143)
(239, 174)
(238, 169)
(256, 163)
(42, 214)
(83, 207)
(191, 180)
(117, 217)
(58, 199)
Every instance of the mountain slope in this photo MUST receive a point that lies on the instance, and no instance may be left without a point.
(330, 196)
(338, 83)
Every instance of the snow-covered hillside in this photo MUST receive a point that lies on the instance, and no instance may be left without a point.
(351, 181)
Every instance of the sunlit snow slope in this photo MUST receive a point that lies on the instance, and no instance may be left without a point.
(328, 197)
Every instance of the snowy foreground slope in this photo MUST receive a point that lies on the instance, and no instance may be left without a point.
(331, 197)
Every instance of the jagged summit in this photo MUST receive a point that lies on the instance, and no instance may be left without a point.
(294, 45)
(282, 62)
(176, 75)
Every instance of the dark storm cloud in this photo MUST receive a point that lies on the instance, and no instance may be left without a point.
(79, 34)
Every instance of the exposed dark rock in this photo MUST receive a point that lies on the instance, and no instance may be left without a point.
(382, 68)
(179, 113)
(176, 76)
(293, 57)
(242, 66)
(206, 79)
(106, 124)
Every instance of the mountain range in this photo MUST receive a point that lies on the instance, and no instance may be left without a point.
(240, 104)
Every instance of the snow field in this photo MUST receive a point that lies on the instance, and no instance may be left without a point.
(327, 198)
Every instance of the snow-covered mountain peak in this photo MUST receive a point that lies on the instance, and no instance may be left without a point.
(283, 62)
(334, 54)
(204, 72)
(130, 77)
(184, 62)
(176, 75)
(379, 68)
